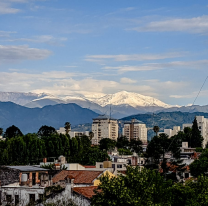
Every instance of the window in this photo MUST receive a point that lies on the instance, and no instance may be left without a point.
(16, 199)
(40, 197)
(32, 197)
(119, 166)
(186, 175)
(8, 198)
(101, 166)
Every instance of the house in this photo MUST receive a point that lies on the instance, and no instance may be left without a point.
(60, 163)
(23, 184)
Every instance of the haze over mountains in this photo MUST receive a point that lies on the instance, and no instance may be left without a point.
(119, 105)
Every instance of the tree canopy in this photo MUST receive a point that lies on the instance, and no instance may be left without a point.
(12, 131)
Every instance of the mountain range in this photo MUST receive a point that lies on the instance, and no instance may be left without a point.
(29, 120)
(118, 105)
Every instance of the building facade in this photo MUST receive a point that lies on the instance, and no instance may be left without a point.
(104, 127)
(171, 132)
(62, 130)
(135, 130)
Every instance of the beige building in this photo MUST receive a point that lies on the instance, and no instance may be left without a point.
(171, 132)
(135, 130)
(104, 127)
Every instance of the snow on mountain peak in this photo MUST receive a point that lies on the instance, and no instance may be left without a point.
(129, 98)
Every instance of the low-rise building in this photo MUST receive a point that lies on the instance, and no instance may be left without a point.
(62, 130)
(23, 184)
(104, 127)
(171, 132)
(135, 130)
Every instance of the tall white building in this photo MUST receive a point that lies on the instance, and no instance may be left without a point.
(171, 132)
(104, 127)
(203, 128)
(135, 130)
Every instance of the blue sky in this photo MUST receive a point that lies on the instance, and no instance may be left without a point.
(155, 48)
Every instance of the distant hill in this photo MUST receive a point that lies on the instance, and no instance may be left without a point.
(31, 119)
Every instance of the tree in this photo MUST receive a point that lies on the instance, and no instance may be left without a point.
(91, 135)
(12, 131)
(156, 129)
(196, 138)
(67, 127)
(200, 166)
(124, 151)
(1, 131)
(46, 131)
(122, 142)
(136, 146)
(134, 189)
(107, 144)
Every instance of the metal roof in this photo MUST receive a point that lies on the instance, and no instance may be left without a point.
(27, 168)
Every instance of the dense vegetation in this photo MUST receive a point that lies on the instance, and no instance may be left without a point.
(31, 148)
(148, 188)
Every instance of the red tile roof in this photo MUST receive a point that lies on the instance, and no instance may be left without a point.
(79, 176)
(87, 192)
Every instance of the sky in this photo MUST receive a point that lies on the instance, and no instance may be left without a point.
(64, 47)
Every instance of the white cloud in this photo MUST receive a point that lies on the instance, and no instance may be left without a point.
(157, 66)
(6, 33)
(134, 57)
(125, 80)
(48, 39)
(19, 53)
(65, 83)
(192, 25)
(5, 8)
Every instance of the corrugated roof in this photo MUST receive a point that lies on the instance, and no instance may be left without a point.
(79, 176)
(27, 168)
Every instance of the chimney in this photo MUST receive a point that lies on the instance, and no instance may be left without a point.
(44, 160)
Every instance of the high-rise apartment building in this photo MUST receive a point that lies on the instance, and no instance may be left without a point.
(104, 127)
(135, 130)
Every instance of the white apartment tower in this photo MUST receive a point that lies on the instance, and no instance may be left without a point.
(135, 130)
(104, 127)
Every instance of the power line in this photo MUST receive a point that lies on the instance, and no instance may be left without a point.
(174, 138)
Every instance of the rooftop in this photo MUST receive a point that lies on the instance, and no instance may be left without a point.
(87, 192)
(103, 117)
(27, 168)
(79, 176)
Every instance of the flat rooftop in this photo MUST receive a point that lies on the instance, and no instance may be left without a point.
(28, 168)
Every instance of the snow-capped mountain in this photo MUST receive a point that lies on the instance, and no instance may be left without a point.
(119, 105)
(129, 98)
(20, 98)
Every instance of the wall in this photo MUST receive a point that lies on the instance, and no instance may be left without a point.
(23, 193)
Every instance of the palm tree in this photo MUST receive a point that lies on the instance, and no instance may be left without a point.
(67, 127)
(156, 129)
(1, 131)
